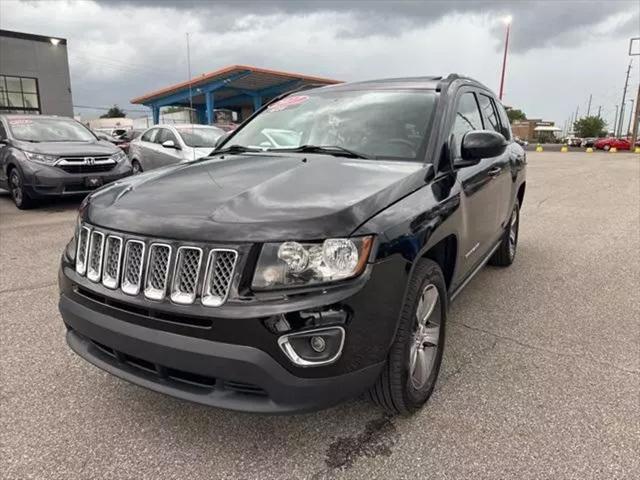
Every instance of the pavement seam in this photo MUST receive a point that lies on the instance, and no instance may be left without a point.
(546, 350)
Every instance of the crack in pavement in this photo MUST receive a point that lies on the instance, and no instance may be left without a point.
(28, 287)
(547, 350)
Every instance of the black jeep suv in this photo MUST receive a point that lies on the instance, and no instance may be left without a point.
(44, 156)
(310, 258)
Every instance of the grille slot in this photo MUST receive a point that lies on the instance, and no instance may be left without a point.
(220, 269)
(96, 250)
(157, 271)
(138, 266)
(185, 277)
(83, 250)
(132, 268)
(111, 268)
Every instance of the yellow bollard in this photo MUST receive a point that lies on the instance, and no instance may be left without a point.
(589, 150)
(564, 148)
(539, 148)
(613, 150)
(636, 150)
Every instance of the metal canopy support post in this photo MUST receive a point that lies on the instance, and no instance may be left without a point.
(257, 102)
(210, 106)
(155, 109)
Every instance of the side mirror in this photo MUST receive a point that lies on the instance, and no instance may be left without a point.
(479, 144)
(220, 140)
(170, 144)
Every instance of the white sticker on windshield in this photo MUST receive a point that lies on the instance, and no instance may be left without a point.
(20, 121)
(287, 102)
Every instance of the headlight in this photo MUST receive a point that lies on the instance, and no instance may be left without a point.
(40, 158)
(292, 264)
(119, 157)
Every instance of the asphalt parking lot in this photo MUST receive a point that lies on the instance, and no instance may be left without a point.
(541, 376)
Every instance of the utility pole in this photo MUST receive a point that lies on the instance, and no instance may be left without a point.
(615, 122)
(599, 110)
(624, 97)
(631, 115)
(589, 106)
(507, 21)
(636, 120)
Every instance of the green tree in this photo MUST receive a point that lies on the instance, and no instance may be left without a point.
(515, 114)
(590, 127)
(114, 112)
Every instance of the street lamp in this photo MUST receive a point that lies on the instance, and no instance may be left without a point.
(507, 20)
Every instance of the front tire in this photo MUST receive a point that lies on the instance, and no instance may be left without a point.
(506, 252)
(409, 376)
(20, 197)
(136, 167)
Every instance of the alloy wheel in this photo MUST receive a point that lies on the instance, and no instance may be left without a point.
(513, 233)
(16, 187)
(424, 346)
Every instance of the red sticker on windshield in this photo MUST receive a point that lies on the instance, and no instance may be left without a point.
(287, 102)
(20, 121)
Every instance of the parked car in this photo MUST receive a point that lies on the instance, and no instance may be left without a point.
(611, 142)
(588, 142)
(124, 140)
(573, 141)
(43, 156)
(164, 145)
(521, 142)
(282, 279)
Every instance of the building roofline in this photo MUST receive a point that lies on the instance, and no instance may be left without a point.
(231, 68)
(31, 36)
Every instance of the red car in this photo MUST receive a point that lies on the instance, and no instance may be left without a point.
(610, 142)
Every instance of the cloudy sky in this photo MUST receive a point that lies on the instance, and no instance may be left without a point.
(560, 51)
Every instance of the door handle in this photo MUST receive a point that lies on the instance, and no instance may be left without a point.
(494, 172)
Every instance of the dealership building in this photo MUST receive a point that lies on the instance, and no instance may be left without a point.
(34, 74)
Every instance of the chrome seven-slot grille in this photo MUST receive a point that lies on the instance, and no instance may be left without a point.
(154, 268)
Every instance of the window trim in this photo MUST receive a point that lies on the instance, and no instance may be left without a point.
(495, 112)
(23, 109)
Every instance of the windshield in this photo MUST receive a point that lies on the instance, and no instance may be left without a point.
(35, 129)
(200, 137)
(374, 123)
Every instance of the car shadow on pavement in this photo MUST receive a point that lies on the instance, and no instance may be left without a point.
(54, 204)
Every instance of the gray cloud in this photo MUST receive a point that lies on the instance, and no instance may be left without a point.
(539, 23)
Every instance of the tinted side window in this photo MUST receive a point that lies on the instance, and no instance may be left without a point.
(489, 113)
(149, 135)
(504, 121)
(3, 133)
(467, 118)
(164, 135)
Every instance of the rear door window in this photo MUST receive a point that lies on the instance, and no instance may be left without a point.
(504, 121)
(489, 113)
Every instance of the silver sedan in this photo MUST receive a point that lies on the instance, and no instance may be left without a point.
(164, 145)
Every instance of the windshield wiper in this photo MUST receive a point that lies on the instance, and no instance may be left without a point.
(328, 149)
(234, 149)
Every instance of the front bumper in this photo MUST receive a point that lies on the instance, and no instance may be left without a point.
(234, 362)
(48, 181)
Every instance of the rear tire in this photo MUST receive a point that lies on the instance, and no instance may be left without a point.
(606, 148)
(20, 197)
(506, 252)
(409, 375)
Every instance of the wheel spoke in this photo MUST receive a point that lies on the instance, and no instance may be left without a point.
(430, 336)
(427, 304)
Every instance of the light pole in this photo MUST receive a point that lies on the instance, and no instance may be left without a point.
(507, 21)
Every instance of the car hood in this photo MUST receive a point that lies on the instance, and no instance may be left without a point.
(254, 197)
(90, 149)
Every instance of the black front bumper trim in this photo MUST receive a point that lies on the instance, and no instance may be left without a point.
(285, 392)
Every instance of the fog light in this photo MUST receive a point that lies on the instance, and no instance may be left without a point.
(318, 344)
(313, 348)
